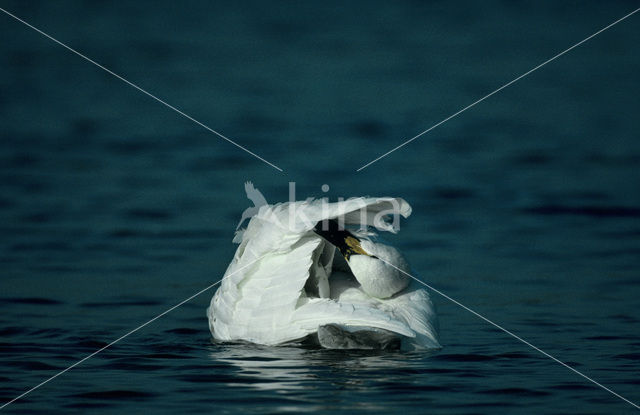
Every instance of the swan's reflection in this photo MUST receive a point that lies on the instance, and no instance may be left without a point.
(266, 368)
(292, 369)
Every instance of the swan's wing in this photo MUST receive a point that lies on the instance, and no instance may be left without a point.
(300, 217)
(414, 307)
(353, 207)
(376, 211)
(256, 303)
(318, 312)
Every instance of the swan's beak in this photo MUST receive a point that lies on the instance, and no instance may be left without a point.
(354, 247)
(344, 240)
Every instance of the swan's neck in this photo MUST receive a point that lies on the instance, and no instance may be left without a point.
(376, 277)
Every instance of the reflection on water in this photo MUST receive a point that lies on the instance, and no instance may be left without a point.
(298, 372)
(268, 368)
(291, 364)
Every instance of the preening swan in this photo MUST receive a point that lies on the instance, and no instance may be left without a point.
(286, 282)
(368, 261)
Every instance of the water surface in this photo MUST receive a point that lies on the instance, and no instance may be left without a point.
(114, 208)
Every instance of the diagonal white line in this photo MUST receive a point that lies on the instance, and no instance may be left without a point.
(206, 127)
(497, 90)
(128, 334)
(512, 334)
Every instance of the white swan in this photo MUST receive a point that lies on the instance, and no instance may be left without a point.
(285, 284)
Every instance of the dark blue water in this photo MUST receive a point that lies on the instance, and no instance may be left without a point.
(113, 208)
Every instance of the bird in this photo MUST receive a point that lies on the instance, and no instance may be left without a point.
(258, 200)
(299, 276)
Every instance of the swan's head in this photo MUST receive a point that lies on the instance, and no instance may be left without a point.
(348, 243)
(380, 269)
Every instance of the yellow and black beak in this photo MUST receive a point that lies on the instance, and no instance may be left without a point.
(344, 240)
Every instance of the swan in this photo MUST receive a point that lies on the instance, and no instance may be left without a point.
(299, 275)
